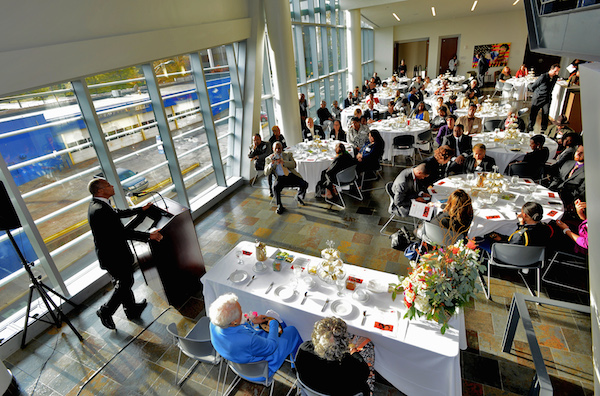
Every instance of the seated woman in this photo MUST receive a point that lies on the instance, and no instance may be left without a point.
(531, 230)
(439, 102)
(522, 72)
(337, 133)
(370, 154)
(397, 96)
(390, 112)
(342, 161)
(457, 215)
(504, 75)
(468, 99)
(512, 118)
(440, 165)
(439, 120)
(403, 106)
(420, 112)
(539, 155)
(334, 362)
(577, 241)
(477, 161)
(242, 343)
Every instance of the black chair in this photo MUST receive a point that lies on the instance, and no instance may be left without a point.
(524, 169)
(403, 145)
(491, 125)
(424, 142)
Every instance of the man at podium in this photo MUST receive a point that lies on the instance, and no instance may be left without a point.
(114, 255)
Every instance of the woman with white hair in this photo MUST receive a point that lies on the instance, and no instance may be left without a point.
(240, 342)
(335, 362)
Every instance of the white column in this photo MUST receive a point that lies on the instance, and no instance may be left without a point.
(354, 49)
(252, 84)
(279, 29)
(590, 100)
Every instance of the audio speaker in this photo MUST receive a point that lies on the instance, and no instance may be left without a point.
(8, 217)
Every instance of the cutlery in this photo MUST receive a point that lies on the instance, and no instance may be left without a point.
(325, 305)
(269, 288)
(364, 318)
(251, 280)
(304, 299)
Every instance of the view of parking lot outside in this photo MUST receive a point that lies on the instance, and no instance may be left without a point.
(51, 157)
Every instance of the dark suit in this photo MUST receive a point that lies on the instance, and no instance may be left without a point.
(341, 162)
(372, 114)
(318, 131)
(438, 171)
(486, 164)
(114, 255)
(348, 103)
(341, 135)
(570, 188)
(262, 151)
(542, 95)
(464, 148)
(405, 188)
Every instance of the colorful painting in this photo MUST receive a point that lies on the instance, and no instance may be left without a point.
(496, 54)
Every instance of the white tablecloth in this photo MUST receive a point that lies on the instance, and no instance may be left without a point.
(520, 86)
(503, 213)
(311, 163)
(348, 112)
(416, 358)
(389, 131)
(502, 154)
(500, 114)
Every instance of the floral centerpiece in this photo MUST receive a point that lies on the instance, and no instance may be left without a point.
(440, 282)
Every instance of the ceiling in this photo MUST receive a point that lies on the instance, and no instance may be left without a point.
(378, 13)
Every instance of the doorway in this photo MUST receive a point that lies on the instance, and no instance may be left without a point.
(448, 48)
(415, 55)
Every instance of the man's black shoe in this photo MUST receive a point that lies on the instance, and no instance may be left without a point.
(280, 209)
(300, 201)
(135, 311)
(107, 321)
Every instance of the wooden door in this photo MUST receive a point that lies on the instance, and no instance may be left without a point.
(448, 49)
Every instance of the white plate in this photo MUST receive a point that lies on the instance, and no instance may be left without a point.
(342, 308)
(377, 286)
(238, 276)
(361, 295)
(286, 293)
(258, 270)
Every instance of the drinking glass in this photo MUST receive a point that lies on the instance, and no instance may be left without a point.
(239, 254)
(514, 180)
(470, 178)
(340, 283)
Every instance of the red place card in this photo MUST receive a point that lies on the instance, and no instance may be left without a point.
(492, 217)
(528, 181)
(433, 191)
(426, 211)
(355, 280)
(385, 327)
(246, 253)
(440, 183)
(310, 160)
(552, 195)
(552, 213)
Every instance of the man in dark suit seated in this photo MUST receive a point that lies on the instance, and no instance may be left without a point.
(478, 161)
(407, 186)
(458, 142)
(348, 101)
(259, 150)
(311, 131)
(371, 114)
(112, 249)
(570, 181)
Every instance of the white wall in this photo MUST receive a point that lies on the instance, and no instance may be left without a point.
(384, 52)
(509, 27)
(54, 41)
(590, 103)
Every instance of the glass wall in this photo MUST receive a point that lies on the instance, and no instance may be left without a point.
(319, 33)
(49, 139)
(368, 51)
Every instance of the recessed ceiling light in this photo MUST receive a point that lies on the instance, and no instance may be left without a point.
(433, 11)
(398, 18)
(474, 5)
(516, 1)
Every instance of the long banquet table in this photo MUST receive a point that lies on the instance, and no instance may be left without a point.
(501, 216)
(416, 358)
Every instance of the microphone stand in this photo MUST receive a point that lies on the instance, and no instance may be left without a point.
(42, 289)
(143, 194)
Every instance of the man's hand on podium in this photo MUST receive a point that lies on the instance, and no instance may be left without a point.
(156, 236)
(147, 206)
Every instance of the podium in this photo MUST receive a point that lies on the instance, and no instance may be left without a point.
(173, 267)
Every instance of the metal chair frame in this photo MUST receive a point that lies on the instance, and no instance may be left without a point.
(517, 257)
(196, 345)
(574, 261)
(344, 178)
(388, 189)
(405, 144)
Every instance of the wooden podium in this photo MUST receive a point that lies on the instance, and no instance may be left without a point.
(174, 265)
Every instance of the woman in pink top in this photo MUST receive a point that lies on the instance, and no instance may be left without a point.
(581, 238)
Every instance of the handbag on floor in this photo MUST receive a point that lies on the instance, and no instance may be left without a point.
(400, 239)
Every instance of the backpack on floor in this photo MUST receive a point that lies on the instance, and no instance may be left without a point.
(400, 239)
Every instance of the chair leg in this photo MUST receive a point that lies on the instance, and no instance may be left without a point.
(489, 289)
(186, 375)
(177, 372)
(386, 224)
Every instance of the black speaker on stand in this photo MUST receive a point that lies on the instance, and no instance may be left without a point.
(10, 221)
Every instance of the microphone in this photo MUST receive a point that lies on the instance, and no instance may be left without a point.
(143, 194)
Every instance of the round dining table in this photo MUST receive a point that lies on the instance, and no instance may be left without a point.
(520, 86)
(498, 212)
(496, 113)
(506, 151)
(314, 157)
(348, 112)
(393, 127)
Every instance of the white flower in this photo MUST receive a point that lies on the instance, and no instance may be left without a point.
(422, 303)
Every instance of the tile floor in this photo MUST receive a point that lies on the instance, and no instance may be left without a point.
(55, 363)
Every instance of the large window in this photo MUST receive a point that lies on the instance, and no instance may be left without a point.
(368, 50)
(319, 33)
(54, 140)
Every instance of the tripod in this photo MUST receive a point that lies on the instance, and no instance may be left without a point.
(42, 289)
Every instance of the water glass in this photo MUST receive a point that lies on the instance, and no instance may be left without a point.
(239, 254)
(514, 180)
(340, 283)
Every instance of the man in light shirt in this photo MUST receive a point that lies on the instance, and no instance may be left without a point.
(471, 123)
(283, 166)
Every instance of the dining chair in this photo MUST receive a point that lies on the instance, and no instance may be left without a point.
(507, 90)
(346, 178)
(571, 261)
(388, 189)
(433, 234)
(517, 257)
(306, 391)
(196, 345)
(403, 145)
(424, 142)
(491, 125)
(524, 169)
(256, 373)
(497, 88)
